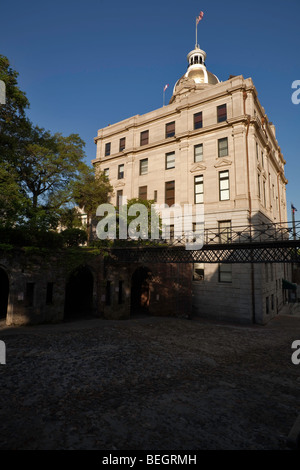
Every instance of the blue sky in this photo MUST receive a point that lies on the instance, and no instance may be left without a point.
(87, 64)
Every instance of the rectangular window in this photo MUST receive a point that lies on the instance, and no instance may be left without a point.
(257, 150)
(225, 231)
(144, 166)
(272, 302)
(225, 273)
(222, 113)
(267, 305)
(198, 272)
(107, 149)
(121, 171)
(29, 296)
(224, 185)
(198, 120)
(119, 198)
(106, 172)
(144, 138)
(258, 183)
(170, 129)
(49, 293)
(264, 193)
(155, 196)
(199, 190)
(262, 159)
(172, 233)
(198, 153)
(223, 147)
(170, 160)
(170, 193)
(120, 296)
(143, 192)
(122, 144)
(108, 293)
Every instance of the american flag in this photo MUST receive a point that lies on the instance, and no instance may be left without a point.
(293, 208)
(165, 87)
(199, 18)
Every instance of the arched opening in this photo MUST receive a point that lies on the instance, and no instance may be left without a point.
(4, 291)
(79, 294)
(140, 291)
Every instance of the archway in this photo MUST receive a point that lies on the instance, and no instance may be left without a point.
(140, 291)
(79, 294)
(4, 291)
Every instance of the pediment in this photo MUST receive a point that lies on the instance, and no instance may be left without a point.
(222, 162)
(120, 184)
(197, 167)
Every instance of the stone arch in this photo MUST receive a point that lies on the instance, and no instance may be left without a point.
(4, 293)
(79, 293)
(140, 291)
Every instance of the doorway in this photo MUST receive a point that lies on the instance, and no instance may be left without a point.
(79, 294)
(140, 291)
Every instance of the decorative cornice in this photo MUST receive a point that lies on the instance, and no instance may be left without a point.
(223, 162)
(197, 167)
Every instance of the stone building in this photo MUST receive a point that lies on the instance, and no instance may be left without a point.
(213, 144)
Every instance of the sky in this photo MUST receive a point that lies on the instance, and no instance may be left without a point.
(87, 64)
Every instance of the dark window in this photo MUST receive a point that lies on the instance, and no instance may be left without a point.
(170, 160)
(120, 171)
(225, 273)
(198, 184)
(198, 153)
(49, 293)
(267, 305)
(170, 129)
(29, 294)
(107, 149)
(119, 198)
(108, 293)
(120, 296)
(272, 301)
(258, 183)
(223, 147)
(144, 137)
(170, 193)
(122, 144)
(143, 192)
(172, 233)
(222, 113)
(198, 120)
(224, 185)
(144, 166)
(155, 196)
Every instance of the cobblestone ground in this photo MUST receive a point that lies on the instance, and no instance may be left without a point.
(149, 383)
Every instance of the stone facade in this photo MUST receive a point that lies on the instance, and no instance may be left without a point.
(215, 145)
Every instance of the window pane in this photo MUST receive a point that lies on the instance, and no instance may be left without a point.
(222, 113)
(198, 120)
(225, 231)
(143, 192)
(170, 160)
(120, 172)
(107, 149)
(170, 193)
(198, 153)
(144, 166)
(106, 172)
(144, 137)
(199, 189)
(170, 129)
(223, 147)
(225, 273)
(122, 144)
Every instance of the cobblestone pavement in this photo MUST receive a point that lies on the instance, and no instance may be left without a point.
(149, 383)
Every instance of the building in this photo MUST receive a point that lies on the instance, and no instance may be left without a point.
(213, 144)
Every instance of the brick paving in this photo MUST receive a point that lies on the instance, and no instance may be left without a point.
(149, 383)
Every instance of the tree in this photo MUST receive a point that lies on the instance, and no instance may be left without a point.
(89, 191)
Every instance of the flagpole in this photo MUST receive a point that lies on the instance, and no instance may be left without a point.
(164, 97)
(196, 35)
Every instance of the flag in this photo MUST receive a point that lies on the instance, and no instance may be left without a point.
(199, 18)
(293, 208)
(166, 86)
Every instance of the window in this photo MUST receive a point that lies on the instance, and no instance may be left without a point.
(170, 193)
(198, 120)
(272, 302)
(144, 138)
(119, 198)
(143, 192)
(120, 171)
(223, 147)
(264, 192)
(198, 272)
(122, 144)
(224, 185)
(107, 149)
(144, 166)
(198, 153)
(222, 113)
(267, 305)
(198, 184)
(170, 129)
(49, 293)
(170, 160)
(257, 151)
(262, 159)
(225, 273)
(172, 233)
(258, 182)
(106, 172)
(29, 298)
(225, 231)
(155, 196)
(120, 296)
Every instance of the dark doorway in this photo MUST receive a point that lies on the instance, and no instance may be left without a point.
(4, 290)
(79, 294)
(140, 291)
